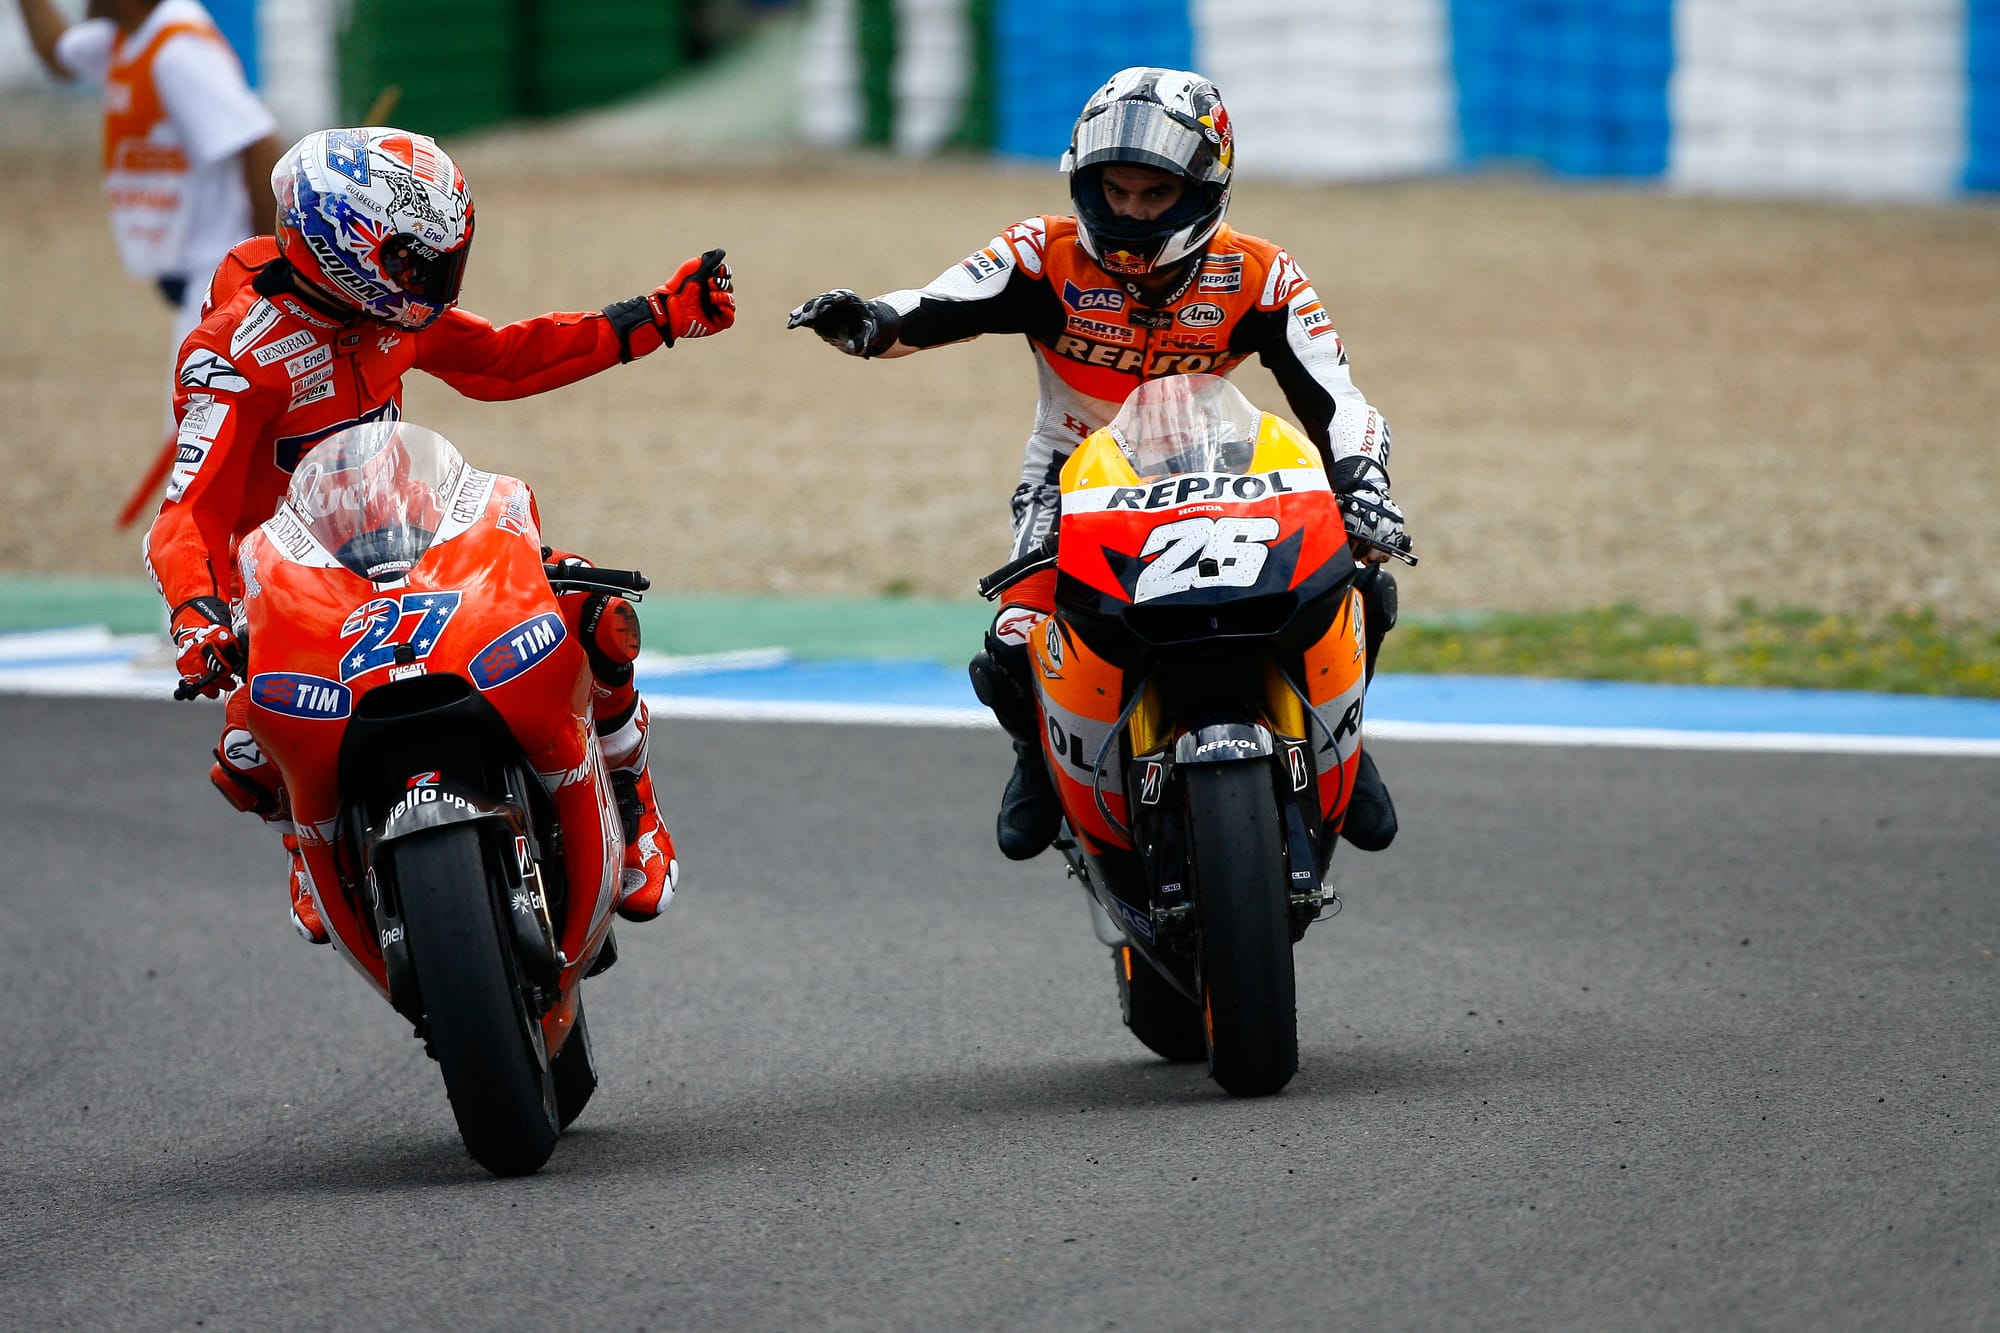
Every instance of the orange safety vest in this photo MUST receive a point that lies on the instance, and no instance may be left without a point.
(145, 164)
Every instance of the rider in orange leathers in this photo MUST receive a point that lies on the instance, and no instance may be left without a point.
(312, 332)
(1144, 280)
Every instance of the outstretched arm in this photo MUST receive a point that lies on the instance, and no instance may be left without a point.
(992, 290)
(534, 356)
(46, 25)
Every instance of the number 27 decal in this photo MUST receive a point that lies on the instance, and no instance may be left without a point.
(1204, 553)
(379, 621)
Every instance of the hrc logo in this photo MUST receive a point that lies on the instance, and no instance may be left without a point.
(517, 650)
(297, 695)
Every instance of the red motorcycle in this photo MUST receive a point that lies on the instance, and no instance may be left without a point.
(413, 678)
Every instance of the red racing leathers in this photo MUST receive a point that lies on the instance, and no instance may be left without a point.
(264, 377)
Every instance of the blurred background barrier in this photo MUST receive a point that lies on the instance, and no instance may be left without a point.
(1862, 98)
(1854, 98)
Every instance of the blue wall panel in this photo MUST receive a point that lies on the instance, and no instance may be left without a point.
(238, 21)
(1050, 55)
(1579, 85)
(1982, 161)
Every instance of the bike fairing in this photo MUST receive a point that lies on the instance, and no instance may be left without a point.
(1200, 684)
(334, 643)
(415, 756)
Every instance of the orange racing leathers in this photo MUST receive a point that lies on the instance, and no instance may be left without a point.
(1094, 342)
(264, 377)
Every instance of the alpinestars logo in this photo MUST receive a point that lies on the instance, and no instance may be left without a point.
(206, 370)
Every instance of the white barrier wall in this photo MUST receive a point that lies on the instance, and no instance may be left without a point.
(1851, 97)
(1323, 90)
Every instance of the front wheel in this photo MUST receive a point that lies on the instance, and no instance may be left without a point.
(487, 1043)
(1242, 907)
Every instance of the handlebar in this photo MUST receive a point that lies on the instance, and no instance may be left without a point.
(192, 689)
(1396, 552)
(1041, 556)
(627, 583)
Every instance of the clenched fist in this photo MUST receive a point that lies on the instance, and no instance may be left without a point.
(697, 301)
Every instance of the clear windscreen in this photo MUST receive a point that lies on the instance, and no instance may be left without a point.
(1187, 423)
(374, 494)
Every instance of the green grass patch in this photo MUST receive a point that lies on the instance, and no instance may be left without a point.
(1905, 653)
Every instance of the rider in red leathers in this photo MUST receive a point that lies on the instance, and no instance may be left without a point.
(1145, 280)
(313, 332)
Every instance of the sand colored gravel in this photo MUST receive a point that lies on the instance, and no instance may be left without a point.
(1598, 395)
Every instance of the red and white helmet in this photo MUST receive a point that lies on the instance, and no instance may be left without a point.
(379, 219)
(1169, 119)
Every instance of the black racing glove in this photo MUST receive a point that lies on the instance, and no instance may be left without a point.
(856, 327)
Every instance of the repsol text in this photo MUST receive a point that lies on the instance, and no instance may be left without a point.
(1176, 491)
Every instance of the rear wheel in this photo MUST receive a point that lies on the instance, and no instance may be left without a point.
(1249, 1001)
(1164, 1020)
(486, 1041)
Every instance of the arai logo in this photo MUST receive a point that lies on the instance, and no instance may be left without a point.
(1202, 315)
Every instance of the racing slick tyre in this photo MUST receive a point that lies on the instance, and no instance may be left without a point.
(1242, 909)
(574, 1070)
(485, 1039)
(1166, 1022)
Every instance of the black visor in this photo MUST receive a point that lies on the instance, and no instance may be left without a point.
(428, 274)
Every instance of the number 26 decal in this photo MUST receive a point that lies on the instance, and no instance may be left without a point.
(1204, 553)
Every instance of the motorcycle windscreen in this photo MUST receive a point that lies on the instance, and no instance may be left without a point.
(374, 494)
(1187, 423)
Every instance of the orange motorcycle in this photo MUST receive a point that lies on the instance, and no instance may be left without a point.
(1200, 688)
(413, 678)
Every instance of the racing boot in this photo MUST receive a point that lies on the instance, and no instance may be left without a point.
(305, 912)
(1030, 813)
(248, 780)
(1371, 816)
(651, 870)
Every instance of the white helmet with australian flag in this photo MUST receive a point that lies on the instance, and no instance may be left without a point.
(378, 219)
(1169, 119)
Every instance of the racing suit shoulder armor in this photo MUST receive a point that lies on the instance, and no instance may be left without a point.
(1268, 268)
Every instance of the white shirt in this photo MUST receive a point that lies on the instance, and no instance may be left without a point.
(210, 113)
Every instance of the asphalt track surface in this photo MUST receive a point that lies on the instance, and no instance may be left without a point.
(1609, 1039)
